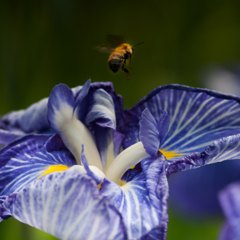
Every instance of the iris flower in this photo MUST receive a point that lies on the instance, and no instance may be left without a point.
(230, 202)
(85, 169)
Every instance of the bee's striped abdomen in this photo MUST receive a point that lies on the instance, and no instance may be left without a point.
(115, 62)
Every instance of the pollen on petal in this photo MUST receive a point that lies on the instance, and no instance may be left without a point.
(170, 154)
(121, 183)
(54, 168)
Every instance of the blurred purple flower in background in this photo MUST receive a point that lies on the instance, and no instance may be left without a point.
(83, 168)
(230, 201)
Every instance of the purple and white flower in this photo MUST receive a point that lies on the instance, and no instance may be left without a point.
(101, 172)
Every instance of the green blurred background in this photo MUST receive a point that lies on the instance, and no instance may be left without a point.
(43, 43)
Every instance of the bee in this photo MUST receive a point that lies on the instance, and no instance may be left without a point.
(119, 55)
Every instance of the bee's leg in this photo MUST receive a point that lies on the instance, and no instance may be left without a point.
(130, 60)
(127, 72)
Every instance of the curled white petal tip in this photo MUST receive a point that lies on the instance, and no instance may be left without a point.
(97, 171)
(80, 169)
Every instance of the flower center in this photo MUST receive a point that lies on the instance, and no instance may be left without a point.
(75, 133)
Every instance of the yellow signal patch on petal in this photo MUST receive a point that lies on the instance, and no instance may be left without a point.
(170, 154)
(54, 168)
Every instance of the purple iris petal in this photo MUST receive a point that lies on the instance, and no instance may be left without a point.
(61, 100)
(152, 133)
(67, 205)
(9, 136)
(149, 134)
(12, 118)
(142, 201)
(4, 213)
(20, 147)
(163, 125)
(197, 117)
(117, 140)
(230, 202)
(81, 103)
(26, 159)
(227, 148)
(33, 118)
(102, 112)
(117, 99)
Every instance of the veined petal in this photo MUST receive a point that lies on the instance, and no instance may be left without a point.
(224, 149)
(81, 103)
(163, 125)
(118, 102)
(142, 201)
(102, 112)
(12, 118)
(74, 133)
(103, 120)
(4, 213)
(197, 117)
(230, 202)
(149, 134)
(60, 107)
(34, 118)
(67, 205)
(28, 158)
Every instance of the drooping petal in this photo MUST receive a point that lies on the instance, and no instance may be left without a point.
(143, 200)
(197, 118)
(224, 149)
(12, 118)
(29, 158)
(74, 133)
(68, 206)
(117, 99)
(34, 118)
(102, 112)
(230, 202)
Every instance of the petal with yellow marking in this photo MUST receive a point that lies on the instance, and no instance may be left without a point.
(54, 168)
(170, 154)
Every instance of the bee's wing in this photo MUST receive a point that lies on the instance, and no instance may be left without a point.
(105, 49)
(116, 40)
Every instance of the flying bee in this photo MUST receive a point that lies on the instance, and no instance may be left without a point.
(119, 55)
